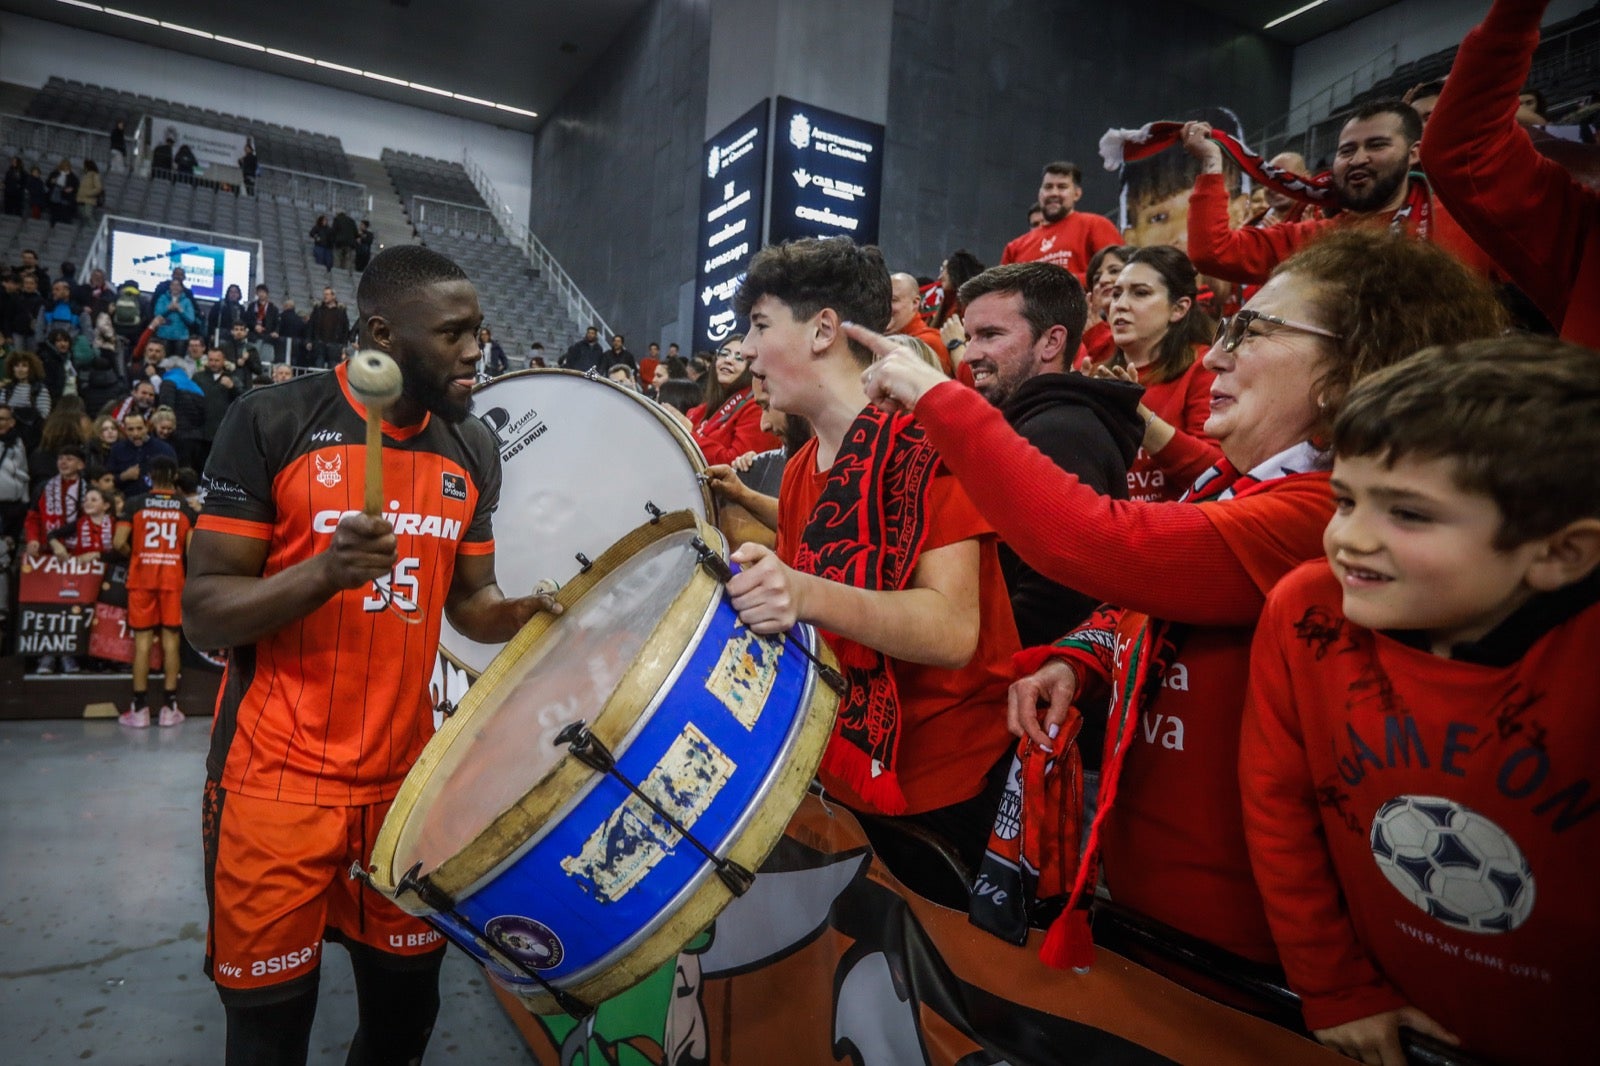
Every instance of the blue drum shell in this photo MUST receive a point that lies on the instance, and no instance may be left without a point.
(606, 873)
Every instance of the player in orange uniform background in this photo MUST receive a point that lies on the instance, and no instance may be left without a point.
(155, 534)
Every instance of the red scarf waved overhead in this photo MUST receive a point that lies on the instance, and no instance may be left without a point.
(1118, 147)
(867, 530)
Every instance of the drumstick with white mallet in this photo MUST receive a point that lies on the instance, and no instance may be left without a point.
(375, 379)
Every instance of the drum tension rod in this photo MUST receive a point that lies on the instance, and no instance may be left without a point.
(583, 561)
(414, 881)
(655, 512)
(588, 749)
(719, 569)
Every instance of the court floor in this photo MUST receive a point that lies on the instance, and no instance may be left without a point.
(102, 911)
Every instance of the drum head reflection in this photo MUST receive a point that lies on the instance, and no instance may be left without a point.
(580, 460)
(509, 746)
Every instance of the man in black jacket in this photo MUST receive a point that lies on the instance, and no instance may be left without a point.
(327, 330)
(584, 355)
(1024, 323)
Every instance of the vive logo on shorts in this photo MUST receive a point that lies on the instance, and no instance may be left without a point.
(454, 487)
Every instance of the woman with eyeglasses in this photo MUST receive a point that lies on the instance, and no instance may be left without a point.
(1188, 580)
(1161, 332)
(728, 424)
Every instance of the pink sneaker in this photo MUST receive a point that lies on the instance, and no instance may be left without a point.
(135, 718)
(170, 715)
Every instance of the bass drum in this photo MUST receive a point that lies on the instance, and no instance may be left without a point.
(583, 461)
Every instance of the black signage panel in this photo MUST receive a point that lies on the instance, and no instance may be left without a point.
(827, 174)
(732, 197)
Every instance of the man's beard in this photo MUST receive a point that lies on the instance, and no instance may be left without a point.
(1379, 192)
(432, 393)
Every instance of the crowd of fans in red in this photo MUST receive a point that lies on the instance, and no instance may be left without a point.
(1292, 629)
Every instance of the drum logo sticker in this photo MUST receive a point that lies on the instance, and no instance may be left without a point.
(527, 940)
(743, 677)
(514, 434)
(629, 844)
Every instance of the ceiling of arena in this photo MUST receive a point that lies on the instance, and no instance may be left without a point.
(524, 53)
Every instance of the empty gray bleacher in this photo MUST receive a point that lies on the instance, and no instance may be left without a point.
(416, 175)
(91, 106)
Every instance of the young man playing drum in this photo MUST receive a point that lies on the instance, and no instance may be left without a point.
(332, 617)
(883, 551)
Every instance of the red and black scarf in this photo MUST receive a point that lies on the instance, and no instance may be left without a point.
(867, 531)
(729, 408)
(1050, 876)
(1129, 146)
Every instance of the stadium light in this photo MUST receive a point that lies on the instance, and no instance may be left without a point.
(1301, 10)
(251, 46)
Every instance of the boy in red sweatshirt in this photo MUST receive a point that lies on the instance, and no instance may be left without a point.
(1421, 738)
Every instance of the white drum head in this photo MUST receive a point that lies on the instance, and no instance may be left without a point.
(580, 459)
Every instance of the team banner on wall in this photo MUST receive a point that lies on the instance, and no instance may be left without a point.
(211, 147)
(732, 199)
(827, 174)
(76, 606)
(829, 959)
(55, 604)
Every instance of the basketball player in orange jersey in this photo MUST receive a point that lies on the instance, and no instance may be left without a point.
(332, 617)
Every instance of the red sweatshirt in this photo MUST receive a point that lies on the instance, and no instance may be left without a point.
(1070, 243)
(1174, 846)
(1425, 830)
(732, 429)
(1250, 254)
(1185, 403)
(1541, 225)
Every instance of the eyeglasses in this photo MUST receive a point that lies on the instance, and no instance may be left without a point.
(729, 353)
(1232, 330)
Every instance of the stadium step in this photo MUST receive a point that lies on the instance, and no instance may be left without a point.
(388, 219)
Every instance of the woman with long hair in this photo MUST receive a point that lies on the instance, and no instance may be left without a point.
(322, 242)
(728, 424)
(25, 392)
(1161, 332)
(91, 189)
(1098, 344)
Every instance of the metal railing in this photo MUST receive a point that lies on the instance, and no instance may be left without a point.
(579, 309)
(47, 143)
(322, 193)
(99, 254)
(452, 217)
(1302, 117)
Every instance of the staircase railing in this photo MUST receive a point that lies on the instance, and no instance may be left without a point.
(322, 193)
(578, 306)
(47, 143)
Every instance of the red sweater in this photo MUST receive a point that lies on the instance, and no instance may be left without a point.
(732, 429)
(1541, 225)
(1185, 403)
(953, 721)
(1355, 747)
(1175, 845)
(1069, 243)
(1250, 254)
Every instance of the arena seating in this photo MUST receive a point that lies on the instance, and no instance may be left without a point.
(415, 175)
(519, 305)
(93, 107)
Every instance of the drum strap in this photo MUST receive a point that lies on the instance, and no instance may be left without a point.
(867, 530)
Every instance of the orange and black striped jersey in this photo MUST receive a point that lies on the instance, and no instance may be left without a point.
(159, 523)
(333, 708)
